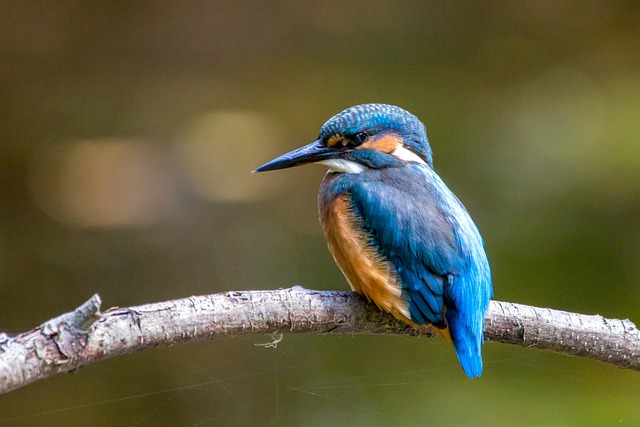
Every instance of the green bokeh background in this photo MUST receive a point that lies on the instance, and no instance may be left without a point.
(127, 134)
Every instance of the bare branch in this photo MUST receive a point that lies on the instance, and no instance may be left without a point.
(85, 336)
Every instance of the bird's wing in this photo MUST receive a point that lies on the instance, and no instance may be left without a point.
(409, 224)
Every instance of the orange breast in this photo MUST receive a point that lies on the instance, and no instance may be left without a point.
(367, 271)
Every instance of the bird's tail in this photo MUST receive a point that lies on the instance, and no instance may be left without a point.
(466, 342)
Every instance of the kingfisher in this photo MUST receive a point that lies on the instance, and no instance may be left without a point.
(398, 234)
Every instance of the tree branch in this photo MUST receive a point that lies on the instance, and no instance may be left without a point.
(85, 335)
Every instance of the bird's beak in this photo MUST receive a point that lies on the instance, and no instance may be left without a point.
(311, 153)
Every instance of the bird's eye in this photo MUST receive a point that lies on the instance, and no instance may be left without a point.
(359, 138)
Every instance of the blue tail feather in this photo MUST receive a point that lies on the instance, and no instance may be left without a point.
(468, 346)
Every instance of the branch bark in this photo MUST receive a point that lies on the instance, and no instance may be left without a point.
(85, 335)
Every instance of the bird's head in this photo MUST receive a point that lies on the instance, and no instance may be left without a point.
(372, 136)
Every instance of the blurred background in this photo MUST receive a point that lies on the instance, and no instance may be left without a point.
(128, 131)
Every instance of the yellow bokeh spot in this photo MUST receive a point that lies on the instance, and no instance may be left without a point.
(106, 182)
(218, 151)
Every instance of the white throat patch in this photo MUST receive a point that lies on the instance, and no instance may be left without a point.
(348, 166)
(407, 155)
(342, 165)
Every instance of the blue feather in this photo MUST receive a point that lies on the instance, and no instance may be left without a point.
(381, 117)
(419, 225)
(412, 221)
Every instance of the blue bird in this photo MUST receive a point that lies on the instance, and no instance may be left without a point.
(399, 235)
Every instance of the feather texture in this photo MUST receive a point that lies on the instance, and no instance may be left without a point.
(414, 226)
(398, 234)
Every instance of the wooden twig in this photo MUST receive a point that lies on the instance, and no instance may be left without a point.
(85, 335)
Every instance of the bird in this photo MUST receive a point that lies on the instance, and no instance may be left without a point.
(400, 237)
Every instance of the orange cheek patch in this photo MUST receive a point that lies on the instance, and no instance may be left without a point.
(385, 144)
(335, 140)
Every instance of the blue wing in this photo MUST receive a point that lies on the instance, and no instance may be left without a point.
(425, 232)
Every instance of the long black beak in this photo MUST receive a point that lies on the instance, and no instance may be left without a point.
(311, 153)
